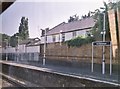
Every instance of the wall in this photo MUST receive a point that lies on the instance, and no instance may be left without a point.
(8, 50)
(30, 53)
(76, 54)
(113, 33)
(33, 49)
(68, 36)
(118, 15)
(22, 48)
(82, 32)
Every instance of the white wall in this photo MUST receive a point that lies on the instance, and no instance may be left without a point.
(49, 39)
(68, 36)
(42, 39)
(57, 38)
(32, 49)
(21, 48)
(81, 33)
(11, 50)
(8, 50)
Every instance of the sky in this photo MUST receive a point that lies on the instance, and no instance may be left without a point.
(42, 14)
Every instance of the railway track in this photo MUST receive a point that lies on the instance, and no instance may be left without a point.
(11, 83)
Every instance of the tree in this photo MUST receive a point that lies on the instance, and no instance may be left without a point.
(73, 18)
(5, 39)
(23, 29)
(13, 41)
(96, 31)
(86, 15)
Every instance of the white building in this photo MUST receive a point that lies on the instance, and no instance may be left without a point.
(29, 46)
(29, 50)
(67, 31)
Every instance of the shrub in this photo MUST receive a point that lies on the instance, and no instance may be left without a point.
(78, 41)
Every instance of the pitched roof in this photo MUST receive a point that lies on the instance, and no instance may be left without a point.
(75, 25)
(29, 41)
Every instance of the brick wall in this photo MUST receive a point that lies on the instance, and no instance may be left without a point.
(78, 54)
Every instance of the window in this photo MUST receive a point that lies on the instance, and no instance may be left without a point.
(63, 37)
(54, 38)
(74, 34)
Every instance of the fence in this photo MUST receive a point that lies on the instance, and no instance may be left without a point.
(20, 56)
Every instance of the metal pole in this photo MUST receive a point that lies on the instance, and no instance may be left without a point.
(103, 61)
(44, 48)
(18, 50)
(6, 54)
(110, 58)
(92, 59)
(6, 49)
(60, 37)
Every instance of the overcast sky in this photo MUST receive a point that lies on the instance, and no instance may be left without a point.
(44, 13)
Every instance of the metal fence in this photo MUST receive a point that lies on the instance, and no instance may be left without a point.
(20, 56)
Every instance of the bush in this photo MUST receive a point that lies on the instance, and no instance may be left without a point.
(78, 41)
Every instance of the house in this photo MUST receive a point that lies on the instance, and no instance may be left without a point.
(66, 31)
(29, 49)
(30, 45)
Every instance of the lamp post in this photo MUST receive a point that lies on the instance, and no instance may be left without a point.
(44, 58)
(17, 49)
(60, 37)
(103, 49)
(6, 49)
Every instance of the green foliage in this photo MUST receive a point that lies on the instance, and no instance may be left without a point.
(86, 16)
(23, 29)
(13, 41)
(73, 18)
(98, 28)
(118, 5)
(4, 39)
(22, 34)
(78, 41)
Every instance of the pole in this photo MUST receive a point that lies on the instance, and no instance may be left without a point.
(60, 37)
(103, 61)
(18, 50)
(92, 58)
(6, 54)
(44, 48)
(6, 49)
(110, 58)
